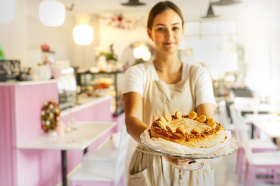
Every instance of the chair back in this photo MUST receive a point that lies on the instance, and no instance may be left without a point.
(235, 117)
(244, 141)
(122, 153)
(223, 113)
(252, 103)
(237, 121)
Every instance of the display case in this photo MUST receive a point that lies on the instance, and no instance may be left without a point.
(99, 84)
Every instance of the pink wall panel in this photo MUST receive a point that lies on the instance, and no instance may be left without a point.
(7, 173)
(29, 101)
(20, 108)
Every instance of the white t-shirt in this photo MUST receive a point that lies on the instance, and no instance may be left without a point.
(135, 80)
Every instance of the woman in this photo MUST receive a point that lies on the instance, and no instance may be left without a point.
(165, 86)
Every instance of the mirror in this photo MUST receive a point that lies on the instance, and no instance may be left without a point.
(138, 52)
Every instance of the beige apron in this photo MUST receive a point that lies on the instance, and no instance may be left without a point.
(151, 169)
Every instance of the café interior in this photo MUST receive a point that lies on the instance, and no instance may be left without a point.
(62, 65)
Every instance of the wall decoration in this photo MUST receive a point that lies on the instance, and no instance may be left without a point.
(119, 21)
(50, 116)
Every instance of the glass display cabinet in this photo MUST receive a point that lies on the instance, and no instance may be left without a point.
(98, 84)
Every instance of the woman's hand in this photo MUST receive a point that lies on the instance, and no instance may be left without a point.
(184, 162)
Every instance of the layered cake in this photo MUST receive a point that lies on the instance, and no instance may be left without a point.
(189, 130)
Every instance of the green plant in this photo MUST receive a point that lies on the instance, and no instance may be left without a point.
(110, 56)
(2, 56)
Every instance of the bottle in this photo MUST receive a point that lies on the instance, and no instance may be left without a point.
(71, 122)
(60, 129)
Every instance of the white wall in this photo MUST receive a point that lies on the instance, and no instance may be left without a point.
(26, 32)
(259, 34)
(121, 38)
(13, 35)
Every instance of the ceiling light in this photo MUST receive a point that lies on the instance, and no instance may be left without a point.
(226, 2)
(52, 13)
(133, 3)
(83, 33)
(7, 10)
(210, 12)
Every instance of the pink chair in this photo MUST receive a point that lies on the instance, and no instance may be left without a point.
(103, 166)
(224, 117)
(257, 145)
(264, 163)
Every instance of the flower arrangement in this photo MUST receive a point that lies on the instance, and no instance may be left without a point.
(50, 115)
(120, 22)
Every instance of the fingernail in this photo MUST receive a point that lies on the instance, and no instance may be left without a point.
(192, 162)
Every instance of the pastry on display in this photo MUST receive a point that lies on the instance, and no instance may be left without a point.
(189, 130)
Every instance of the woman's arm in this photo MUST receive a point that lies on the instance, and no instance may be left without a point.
(206, 109)
(133, 115)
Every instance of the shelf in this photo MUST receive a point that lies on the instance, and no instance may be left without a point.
(85, 79)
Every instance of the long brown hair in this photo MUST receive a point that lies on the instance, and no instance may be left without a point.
(159, 8)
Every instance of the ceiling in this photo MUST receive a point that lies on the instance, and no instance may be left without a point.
(192, 9)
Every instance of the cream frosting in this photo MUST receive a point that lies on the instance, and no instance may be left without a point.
(182, 149)
(188, 125)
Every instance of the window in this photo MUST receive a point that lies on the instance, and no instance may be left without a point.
(212, 43)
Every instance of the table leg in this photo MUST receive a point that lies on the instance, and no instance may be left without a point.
(85, 150)
(274, 140)
(253, 131)
(64, 167)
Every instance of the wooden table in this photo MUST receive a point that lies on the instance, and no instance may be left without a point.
(79, 139)
(268, 123)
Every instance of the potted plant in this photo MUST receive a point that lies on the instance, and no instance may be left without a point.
(110, 56)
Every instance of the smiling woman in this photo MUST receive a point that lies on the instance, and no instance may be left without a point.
(167, 31)
(163, 86)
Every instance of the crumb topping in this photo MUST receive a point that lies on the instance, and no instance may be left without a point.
(185, 127)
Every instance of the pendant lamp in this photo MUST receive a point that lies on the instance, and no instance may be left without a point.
(226, 2)
(7, 11)
(133, 3)
(83, 33)
(52, 13)
(210, 12)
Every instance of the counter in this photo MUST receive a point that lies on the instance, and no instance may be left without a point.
(20, 108)
(14, 83)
